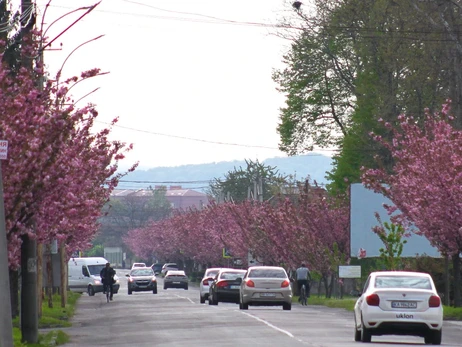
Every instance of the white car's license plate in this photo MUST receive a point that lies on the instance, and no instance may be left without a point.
(234, 287)
(268, 295)
(176, 282)
(404, 304)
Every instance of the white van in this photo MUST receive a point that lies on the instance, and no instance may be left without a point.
(83, 275)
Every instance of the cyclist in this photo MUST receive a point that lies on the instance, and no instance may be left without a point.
(303, 278)
(107, 277)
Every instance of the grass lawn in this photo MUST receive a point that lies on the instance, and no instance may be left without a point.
(348, 303)
(52, 318)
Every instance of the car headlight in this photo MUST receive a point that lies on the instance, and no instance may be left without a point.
(97, 282)
(117, 281)
(153, 280)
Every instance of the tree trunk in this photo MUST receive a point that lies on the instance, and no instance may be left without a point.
(457, 282)
(49, 277)
(447, 290)
(14, 292)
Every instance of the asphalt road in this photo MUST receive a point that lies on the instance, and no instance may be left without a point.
(174, 317)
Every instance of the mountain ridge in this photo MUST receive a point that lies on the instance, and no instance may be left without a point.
(198, 176)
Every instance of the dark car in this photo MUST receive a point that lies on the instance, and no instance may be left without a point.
(225, 286)
(142, 280)
(176, 279)
(157, 267)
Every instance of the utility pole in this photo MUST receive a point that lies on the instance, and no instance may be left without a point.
(29, 307)
(6, 326)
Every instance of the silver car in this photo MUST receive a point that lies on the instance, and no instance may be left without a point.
(141, 280)
(176, 279)
(265, 286)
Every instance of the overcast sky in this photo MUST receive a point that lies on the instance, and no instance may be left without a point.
(177, 74)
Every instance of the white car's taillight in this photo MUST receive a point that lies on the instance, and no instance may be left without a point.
(434, 301)
(373, 300)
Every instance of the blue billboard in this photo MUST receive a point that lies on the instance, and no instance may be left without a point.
(363, 206)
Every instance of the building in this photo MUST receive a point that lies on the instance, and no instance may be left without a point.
(178, 197)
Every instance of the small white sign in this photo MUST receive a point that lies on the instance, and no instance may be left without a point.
(3, 149)
(349, 271)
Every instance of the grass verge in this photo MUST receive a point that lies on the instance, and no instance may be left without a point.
(52, 318)
(348, 303)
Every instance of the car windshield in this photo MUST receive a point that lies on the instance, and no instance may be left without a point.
(96, 269)
(231, 275)
(142, 272)
(267, 273)
(402, 282)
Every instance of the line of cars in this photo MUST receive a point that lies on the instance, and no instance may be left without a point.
(143, 278)
(391, 303)
(256, 286)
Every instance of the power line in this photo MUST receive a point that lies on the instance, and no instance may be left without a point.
(191, 138)
(210, 141)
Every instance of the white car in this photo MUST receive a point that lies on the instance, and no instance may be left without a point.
(138, 265)
(167, 267)
(204, 286)
(399, 303)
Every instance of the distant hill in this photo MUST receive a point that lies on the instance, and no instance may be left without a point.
(198, 176)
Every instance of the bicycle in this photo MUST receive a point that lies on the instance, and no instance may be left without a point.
(107, 290)
(303, 297)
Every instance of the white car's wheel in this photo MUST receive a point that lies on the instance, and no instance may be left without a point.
(365, 333)
(202, 300)
(357, 332)
(434, 338)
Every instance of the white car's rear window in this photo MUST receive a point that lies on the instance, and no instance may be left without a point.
(403, 282)
(267, 273)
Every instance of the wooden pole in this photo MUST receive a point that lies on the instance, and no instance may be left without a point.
(62, 254)
(39, 278)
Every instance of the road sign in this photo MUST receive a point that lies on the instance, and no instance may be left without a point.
(3, 149)
(226, 253)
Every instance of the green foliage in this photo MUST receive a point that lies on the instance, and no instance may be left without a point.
(96, 251)
(391, 236)
(56, 317)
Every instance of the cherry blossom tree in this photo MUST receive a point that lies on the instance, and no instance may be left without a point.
(426, 181)
(59, 173)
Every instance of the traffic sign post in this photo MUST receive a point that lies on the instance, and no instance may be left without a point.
(6, 325)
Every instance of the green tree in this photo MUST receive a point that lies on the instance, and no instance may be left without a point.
(256, 181)
(132, 211)
(391, 236)
(355, 62)
(96, 251)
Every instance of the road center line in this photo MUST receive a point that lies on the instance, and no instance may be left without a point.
(269, 324)
(184, 297)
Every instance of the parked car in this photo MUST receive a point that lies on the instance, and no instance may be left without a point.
(225, 286)
(399, 303)
(137, 265)
(157, 267)
(204, 286)
(169, 266)
(142, 280)
(265, 286)
(176, 279)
